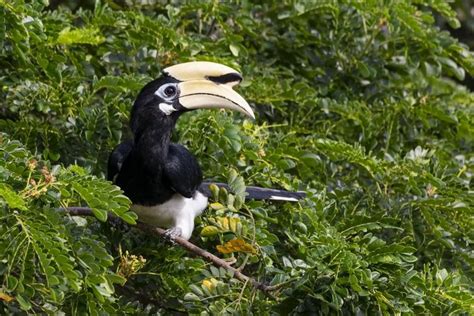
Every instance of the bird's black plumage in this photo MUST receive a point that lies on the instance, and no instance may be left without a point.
(149, 168)
(117, 158)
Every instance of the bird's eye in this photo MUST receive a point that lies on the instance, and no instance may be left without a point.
(170, 91)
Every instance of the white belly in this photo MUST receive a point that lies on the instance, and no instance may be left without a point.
(176, 212)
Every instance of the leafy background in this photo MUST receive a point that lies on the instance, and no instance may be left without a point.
(359, 104)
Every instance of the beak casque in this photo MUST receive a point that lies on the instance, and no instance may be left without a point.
(206, 85)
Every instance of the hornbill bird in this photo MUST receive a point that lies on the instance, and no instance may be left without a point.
(162, 179)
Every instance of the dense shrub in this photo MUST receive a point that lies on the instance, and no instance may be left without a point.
(356, 103)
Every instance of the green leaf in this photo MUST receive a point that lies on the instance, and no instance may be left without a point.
(129, 217)
(100, 214)
(24, 304)
(89, 36)
(191, 297)
(12, 198)
(209, 231)
(234, 49)
(12, 283)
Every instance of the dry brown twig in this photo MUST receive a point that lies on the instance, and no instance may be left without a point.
(85, 211)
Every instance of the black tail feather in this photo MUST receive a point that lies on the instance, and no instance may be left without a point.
(257, 193)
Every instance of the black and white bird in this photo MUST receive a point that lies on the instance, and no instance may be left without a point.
(162, 179)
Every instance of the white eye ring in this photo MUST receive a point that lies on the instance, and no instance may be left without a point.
(168, 92)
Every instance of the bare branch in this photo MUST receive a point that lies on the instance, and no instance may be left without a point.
(85, 211)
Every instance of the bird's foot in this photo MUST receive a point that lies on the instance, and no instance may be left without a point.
(172, 233)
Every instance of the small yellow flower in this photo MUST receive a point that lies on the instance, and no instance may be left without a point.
(129, 264)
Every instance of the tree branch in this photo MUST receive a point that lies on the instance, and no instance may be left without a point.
(85, 211)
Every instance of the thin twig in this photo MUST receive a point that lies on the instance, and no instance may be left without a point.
(85, 211)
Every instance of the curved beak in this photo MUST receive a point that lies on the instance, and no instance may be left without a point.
(205, 85)
(205, 94)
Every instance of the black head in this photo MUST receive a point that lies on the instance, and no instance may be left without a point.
(157, 104)
(185, 87)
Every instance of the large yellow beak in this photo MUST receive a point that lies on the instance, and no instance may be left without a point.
(205, 85)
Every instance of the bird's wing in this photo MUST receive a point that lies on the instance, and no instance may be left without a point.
(116, 159)
(256, 193)
(182, 170)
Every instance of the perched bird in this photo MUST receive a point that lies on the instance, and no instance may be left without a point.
(163, 179)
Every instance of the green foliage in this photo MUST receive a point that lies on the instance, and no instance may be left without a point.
(48, 256)
(356, 103)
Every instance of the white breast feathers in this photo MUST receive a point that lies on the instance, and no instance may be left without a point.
(177, 213)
